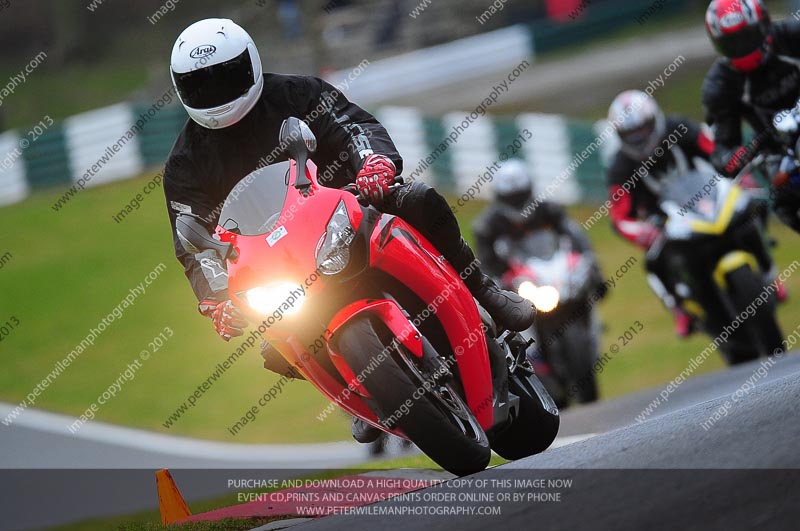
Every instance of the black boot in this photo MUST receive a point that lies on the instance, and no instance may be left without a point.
(273, 361)
(363, 432)
(508, 309)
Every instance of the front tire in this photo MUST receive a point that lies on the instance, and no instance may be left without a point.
(450, 444)
(759, 332)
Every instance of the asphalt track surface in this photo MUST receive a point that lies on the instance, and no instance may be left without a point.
(667, 472)
(567, 85)
(625, 473)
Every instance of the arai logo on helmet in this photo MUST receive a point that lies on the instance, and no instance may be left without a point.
(204, 50)
(731, 20)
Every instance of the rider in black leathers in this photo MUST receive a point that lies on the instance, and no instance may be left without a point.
(757, 77)
(513, 213)
(236, 112)
(651, 145)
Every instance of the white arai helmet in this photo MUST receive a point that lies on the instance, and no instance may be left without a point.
(216, 71)
(639, 122)
(512, 185)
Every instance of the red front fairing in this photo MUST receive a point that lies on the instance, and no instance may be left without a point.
(292, 257)
(395, 248)
(402, 252)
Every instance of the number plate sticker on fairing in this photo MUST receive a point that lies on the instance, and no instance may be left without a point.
(275, 236)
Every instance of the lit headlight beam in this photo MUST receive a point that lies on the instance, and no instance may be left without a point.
(545, 298)
(272, 297)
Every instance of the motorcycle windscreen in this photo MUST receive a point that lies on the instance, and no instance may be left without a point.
(541, 244)
(255, 204)
(693, 191)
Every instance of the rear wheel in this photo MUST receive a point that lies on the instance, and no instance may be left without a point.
(536, 426)
(758, 332)
(438, 422)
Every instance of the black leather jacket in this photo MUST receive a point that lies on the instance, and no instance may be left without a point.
(494, 223)
(730, 96)
(205, 164)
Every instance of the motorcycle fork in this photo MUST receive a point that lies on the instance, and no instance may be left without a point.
(507, 355)
(436, 367)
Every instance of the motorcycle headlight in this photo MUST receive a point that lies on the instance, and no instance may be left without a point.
(545, 298)
(285, 297)
(334, 253)
(527, 290)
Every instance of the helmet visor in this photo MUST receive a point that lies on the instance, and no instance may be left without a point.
(741, 43)
(640, 137)
(518, 199)
(216, 85)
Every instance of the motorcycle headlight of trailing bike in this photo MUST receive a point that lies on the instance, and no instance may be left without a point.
(545, 298)
(334, 253)
(284, 297)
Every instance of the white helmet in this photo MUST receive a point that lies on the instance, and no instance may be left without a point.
(512, 185)
(216, 71)
(639, 122)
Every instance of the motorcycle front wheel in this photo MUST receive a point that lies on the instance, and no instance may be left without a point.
(438, 421)
(761, 331)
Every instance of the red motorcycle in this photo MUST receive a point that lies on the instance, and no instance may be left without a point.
(544, 268)
(373, 316)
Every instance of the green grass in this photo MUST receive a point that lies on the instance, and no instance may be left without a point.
(70, 91)
(70, 269)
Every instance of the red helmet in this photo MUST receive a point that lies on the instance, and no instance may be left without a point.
(740, 30)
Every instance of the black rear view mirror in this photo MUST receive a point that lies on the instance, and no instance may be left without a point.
(195, 238)
(298, 141)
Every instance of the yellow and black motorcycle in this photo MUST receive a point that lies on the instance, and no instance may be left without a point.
(720, 262)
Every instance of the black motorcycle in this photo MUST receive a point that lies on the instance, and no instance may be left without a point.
(779, 162)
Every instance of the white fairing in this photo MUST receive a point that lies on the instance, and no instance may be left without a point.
(210, 42)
